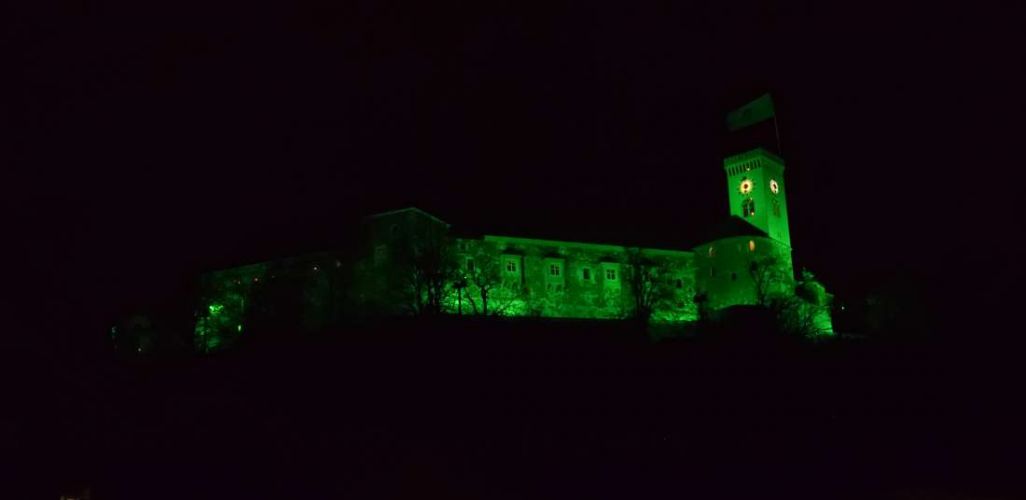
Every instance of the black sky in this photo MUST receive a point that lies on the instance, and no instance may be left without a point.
(148, 140)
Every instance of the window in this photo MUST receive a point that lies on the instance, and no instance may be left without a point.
(712, 251)
(586, 274)
(733, 276)
(776, 208)
(611, 274)
(395, 229)
(679, 283)
(380, 254)
(554, 269)
(748, 207)
(751, 245)
(511, 266)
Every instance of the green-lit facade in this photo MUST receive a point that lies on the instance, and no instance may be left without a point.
(409, 262)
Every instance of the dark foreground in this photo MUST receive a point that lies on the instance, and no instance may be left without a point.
(558, 411)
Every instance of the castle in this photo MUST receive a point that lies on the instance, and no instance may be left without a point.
(409, 262)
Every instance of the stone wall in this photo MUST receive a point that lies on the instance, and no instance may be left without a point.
(530, 277)
(724, 270)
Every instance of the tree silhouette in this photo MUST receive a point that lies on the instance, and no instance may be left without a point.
(495, 290)
(649, 285)
(427, 269)
(771, 278)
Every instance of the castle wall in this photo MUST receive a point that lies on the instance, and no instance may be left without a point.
(572, 280)
(281, 296)
(724, 272)
(406, 262)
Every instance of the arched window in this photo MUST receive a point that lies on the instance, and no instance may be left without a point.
(748, 207)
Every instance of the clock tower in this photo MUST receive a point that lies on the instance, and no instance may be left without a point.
(757, 192)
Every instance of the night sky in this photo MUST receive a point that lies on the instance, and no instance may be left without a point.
(150, 140)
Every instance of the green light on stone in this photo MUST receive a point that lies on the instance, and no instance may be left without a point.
(415, 266)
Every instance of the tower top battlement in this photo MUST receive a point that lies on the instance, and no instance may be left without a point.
(751, 156)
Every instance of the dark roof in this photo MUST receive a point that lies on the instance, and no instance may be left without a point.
(407, 209)
(730, 227)
(613, 233)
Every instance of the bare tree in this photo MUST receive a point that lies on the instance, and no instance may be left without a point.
(649, 285)
(771, 278)
(425, 270)
(494, 289)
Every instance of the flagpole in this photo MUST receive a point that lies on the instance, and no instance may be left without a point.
(776, 131)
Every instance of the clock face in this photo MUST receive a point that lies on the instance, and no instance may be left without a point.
(746, 186)
(774, 187)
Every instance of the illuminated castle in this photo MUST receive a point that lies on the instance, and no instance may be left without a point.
(409, 262)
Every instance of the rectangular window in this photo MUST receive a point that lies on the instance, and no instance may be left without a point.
(586, 274)
(511, 266)
(748, 207)
(554, 269)
(611, 274)
(680, 283)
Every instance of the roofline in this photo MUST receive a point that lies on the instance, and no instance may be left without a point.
(578, 244)
(666, 252)
(738, 237)
(751, 153)
(415, 209)
(239, 267)
(536, 241)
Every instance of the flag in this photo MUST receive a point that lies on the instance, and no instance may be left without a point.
(751, 113)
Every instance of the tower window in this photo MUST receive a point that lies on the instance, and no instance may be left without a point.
(586, 274)
(511, 266)
(751, 245)
(611, 274)
(776, 208)
(748, 207)
(554, 269)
